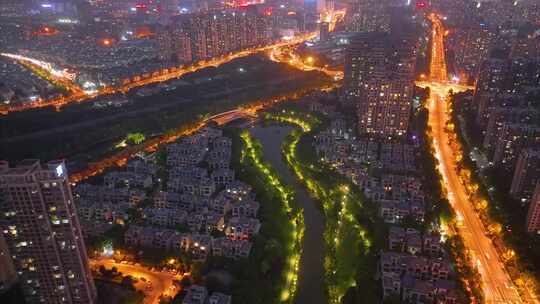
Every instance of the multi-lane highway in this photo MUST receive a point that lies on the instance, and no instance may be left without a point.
(496, 283)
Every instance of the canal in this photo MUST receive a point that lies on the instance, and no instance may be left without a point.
(311, 273)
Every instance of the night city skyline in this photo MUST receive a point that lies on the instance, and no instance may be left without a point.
(270, 151)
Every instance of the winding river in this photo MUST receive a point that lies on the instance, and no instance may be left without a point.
(311, 273)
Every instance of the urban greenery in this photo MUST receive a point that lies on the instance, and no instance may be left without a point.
(495, 206)
(135, 138)
(470, 282)
(270, 274)
(84, 134)
(350, 257)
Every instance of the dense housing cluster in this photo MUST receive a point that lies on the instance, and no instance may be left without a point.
(414, 265)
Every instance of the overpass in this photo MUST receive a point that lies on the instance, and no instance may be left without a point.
(226, 117)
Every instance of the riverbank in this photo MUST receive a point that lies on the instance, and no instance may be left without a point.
(269, 275)
(350, 257)
(311, 287)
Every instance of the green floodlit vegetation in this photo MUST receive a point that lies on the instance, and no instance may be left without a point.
(135, 138)
(282, 219)
(350, 255)
(90, 133)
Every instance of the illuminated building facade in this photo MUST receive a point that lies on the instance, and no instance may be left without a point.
(197, 37)
(471, 46)
(490, 83)
(510, 109)
(379, 75)
(164, 40)
(370, 16)
(512, 139)
(43, 233)
(505, 94)
(174, 44)
(526, 174)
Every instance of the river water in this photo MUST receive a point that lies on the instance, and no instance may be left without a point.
(311, 273)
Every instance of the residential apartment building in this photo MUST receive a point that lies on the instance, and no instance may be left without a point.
(379, 80)
(208, 35)
(43, 233)
(526, 174)
(533, 216)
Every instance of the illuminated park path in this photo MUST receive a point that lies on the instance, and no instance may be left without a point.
(311, 287)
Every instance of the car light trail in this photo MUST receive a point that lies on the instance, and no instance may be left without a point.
(43, 65)
(496, 283)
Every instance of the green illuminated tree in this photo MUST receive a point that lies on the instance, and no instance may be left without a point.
(135, 138)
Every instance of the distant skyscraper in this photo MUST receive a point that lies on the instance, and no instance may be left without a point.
(181, 45)
(533, 216)
(43, 233)
(164, 40)
(379, 80)
(372, 16)
(204, 36)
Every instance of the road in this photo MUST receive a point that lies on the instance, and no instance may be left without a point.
(161, 282)
(496, 283)
(132, 113)
(333, 17)
(137, 81)
(121, 158)
(289, 56)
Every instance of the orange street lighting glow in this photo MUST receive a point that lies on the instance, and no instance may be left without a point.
(496, 284)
